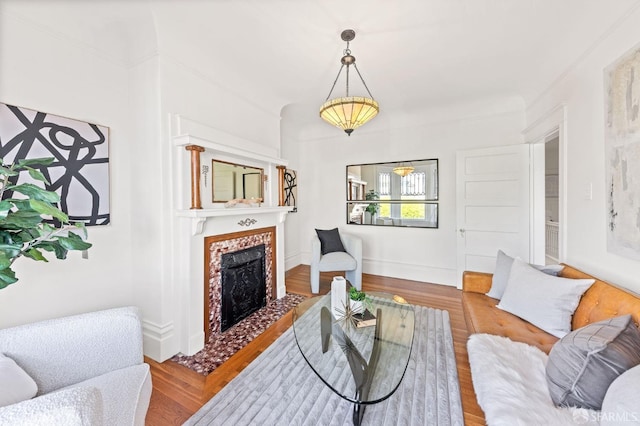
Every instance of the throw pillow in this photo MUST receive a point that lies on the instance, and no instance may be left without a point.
(330, 240)
(17, 385)
(545, 301)
(585, 362)
(620, 404)
(503, 268)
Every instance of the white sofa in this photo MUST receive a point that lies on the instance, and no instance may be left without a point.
(89, 370)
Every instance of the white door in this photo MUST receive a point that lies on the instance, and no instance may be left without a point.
(492, 206)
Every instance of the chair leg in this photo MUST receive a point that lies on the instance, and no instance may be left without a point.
(315, 281)
(355, 279)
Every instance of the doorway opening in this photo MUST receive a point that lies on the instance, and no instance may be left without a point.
(552, 199)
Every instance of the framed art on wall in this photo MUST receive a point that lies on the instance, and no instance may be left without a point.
(622, 154)
(80, 170)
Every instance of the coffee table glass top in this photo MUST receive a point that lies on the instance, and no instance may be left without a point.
(356, 364)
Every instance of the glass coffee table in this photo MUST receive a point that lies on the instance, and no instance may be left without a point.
(363, 365)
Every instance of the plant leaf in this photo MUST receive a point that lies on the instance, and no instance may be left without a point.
(35, 161)
(35, 254)
(73, 242)
(5, 207)
(8, 252)
(21, 219)
(4, 171)
(48, 209)
(54, 247)
(7, 277)
(37, 174)
(35, 192)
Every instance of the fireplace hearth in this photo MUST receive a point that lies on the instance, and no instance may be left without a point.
(243, 284)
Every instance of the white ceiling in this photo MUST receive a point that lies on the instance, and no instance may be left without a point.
(410, 52)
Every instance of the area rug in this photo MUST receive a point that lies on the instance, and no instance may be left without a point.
(279, 388)
(221, 347)
(511, 386)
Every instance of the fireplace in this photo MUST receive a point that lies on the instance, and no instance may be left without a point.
(242, 265)
(243, 285)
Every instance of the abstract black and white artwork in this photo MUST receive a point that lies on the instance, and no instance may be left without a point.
(291, 189)
(80, 170)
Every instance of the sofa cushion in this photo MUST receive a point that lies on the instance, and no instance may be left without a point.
(330, 241)
(337, 261)
(80, 406)
(544, 300)
(125, 394)
(583, 364)
(620, 404)
(481, 316)
(503, 269)
(17, 385)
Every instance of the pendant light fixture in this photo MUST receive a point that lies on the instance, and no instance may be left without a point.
(348, 112)
(403, 170)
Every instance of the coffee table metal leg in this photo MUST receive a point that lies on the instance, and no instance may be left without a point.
(361, 370)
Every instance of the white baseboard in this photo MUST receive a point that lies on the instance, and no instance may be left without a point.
(407, 271)
(410, 271)
(159, 341)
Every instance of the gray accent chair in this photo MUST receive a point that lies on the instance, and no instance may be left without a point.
(350, 262)
(89, 370)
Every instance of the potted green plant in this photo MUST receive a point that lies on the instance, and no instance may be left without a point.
(358, 300)
(372, 208)
(27, 221)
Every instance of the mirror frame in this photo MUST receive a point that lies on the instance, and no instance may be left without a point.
(356, 191)
(255, 170)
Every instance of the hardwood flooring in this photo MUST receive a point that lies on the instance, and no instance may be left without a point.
(179, 392)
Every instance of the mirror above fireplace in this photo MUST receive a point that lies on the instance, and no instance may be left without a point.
(235, 181)
(401, 193)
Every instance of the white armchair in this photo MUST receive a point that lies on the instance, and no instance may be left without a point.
(89, 370)
(350, 262)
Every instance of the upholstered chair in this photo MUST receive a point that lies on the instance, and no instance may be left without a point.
(349, 261)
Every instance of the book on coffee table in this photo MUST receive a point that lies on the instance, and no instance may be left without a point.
(365, 319)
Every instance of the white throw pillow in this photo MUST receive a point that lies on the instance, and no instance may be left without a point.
(503, 269)
(545, 301)
(620, 405)
(15, 384)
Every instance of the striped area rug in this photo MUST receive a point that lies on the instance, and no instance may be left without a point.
(279, 388)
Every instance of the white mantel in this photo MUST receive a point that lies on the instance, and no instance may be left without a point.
(200, 216)
(191, 226)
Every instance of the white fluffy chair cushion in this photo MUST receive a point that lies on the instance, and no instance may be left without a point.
(15, 384)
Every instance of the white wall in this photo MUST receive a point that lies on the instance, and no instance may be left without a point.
(42, 71)
(581, 90)
(324, 152)
(131, 261)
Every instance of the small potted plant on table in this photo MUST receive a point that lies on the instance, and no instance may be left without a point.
(357, 300)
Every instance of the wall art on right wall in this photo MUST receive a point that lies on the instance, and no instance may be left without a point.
(622, 154)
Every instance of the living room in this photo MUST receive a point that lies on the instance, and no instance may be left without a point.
(138, 68)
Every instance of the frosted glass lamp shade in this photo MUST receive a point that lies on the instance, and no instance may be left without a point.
(349, 113)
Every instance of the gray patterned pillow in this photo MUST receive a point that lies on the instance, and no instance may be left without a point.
(585, 362)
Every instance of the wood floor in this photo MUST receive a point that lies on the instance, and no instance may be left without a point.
(179, 392)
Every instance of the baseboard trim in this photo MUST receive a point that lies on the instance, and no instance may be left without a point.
(159, 340)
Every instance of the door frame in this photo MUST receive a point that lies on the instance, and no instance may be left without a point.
(550, 124)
